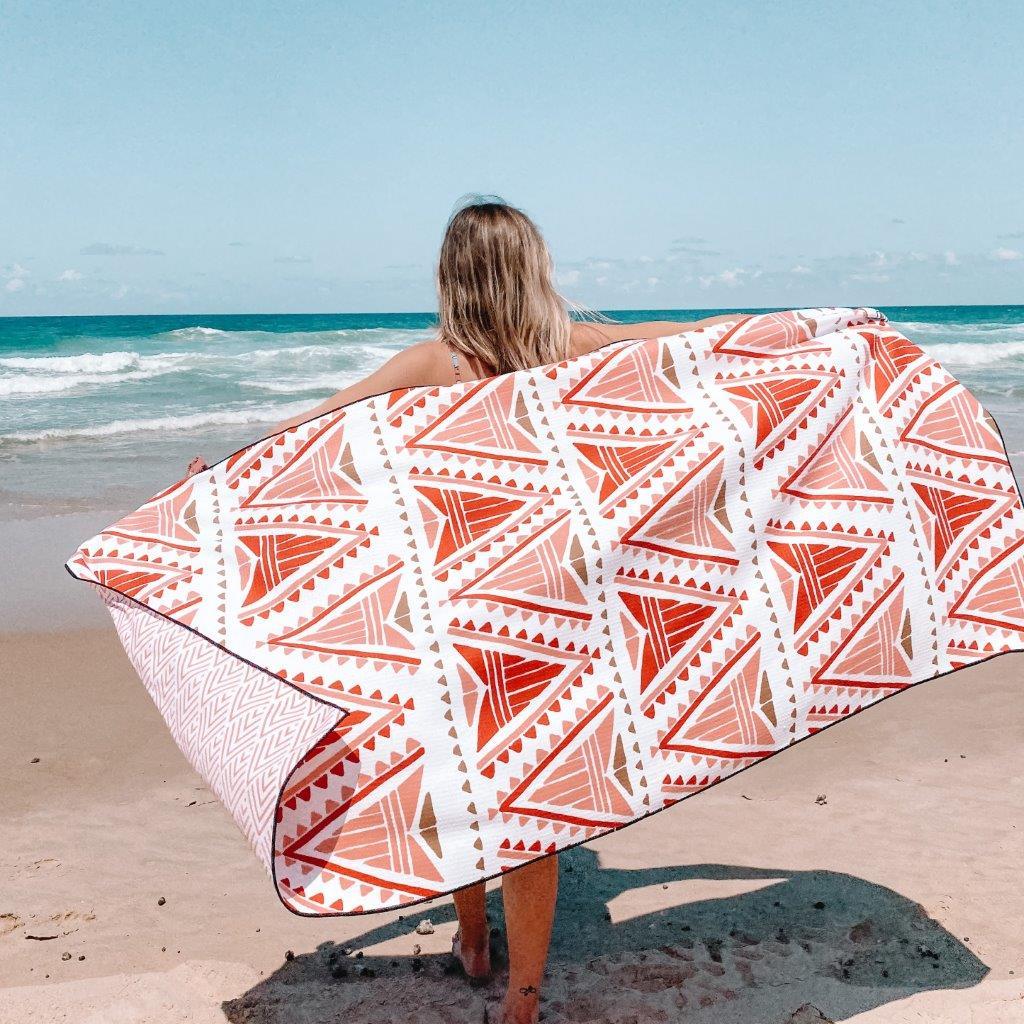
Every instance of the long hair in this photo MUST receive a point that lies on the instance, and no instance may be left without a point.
(495, 296)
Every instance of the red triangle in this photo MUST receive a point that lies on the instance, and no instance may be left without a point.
(776, 403)
(360, 624)
(490, 421)
(836, 470)
(536, 575)
(952, 422)
(995, 596)
(872, 654)
(317, 471)
(684, 522)
(628, 380)
(576, 782)
(459, 519)
(726, 718)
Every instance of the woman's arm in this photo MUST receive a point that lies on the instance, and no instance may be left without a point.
(422, 363)
(590, 335)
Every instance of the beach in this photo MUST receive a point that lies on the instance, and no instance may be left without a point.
(871, 875)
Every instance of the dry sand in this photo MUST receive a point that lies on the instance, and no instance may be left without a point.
(870, 875)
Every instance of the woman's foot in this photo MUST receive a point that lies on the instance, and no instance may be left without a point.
(475, 959)
(521, 1007)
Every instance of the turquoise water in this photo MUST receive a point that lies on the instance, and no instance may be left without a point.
(99, 412)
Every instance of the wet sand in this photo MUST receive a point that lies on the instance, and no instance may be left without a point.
(870, 875)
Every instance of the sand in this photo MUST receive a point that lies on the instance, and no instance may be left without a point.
(870, 875)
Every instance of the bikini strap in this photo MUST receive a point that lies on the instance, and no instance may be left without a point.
(455, 363)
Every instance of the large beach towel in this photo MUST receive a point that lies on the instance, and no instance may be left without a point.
(445, 631)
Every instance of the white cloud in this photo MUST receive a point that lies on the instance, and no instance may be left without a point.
(15, 284)
(950, 258)
(652, 281)
(800, 269)
(568, 277)
(1007, 255)
(730, 278)
(14, 270)
(70, 275)
(110, 249)
(292, 259)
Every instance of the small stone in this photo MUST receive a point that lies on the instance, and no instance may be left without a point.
(425, 927)
(35, 760)
(65, 956)
(819, 905)
(163, 949)
(289, 955)
(821, 799)
(359, 955)
(81, 958)
(160, 902)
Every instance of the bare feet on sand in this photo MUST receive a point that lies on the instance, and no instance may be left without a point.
(475, 959)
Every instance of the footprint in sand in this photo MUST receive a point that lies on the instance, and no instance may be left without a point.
(10, 923)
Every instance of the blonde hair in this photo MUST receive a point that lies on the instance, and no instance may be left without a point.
(496, 300)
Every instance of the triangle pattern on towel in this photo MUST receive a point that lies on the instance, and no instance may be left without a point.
(843, 467)
(733, 715)
(491, 421)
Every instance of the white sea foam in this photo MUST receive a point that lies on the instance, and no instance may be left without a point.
(27, 384)
(298, 385)
(190, 421)
(965, 353)
(89, 362)
(979, 329)
(197, 333)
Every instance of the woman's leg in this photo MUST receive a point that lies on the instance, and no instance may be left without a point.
(472, 943)
(529, 894)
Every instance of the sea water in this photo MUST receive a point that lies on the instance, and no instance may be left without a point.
(98, 413)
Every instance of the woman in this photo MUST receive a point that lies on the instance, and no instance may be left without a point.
(498, 312)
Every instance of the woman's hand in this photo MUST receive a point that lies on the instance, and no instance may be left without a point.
(197, 465)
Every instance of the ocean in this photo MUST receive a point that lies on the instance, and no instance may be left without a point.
(98, 413)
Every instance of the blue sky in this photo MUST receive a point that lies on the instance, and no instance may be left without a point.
(236, 157)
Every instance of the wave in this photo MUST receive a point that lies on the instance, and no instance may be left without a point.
(190, 421)
(28, 385)
(975, 328)
(324, 382)
(965, 353)
(89, 362)
(197, 333)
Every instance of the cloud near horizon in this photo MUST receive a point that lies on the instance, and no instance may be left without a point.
(111, 249)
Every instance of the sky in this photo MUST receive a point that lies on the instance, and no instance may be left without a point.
(268, 157)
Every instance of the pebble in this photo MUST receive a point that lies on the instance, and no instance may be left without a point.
(65, 956)
(35, 760)
(289, 955)
(425, 927)
(160, 902)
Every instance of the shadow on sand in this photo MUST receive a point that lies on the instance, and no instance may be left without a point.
(705, 943)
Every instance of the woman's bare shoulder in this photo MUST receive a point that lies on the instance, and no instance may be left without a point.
(422, 363)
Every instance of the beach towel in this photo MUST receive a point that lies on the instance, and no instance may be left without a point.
(445, 631)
